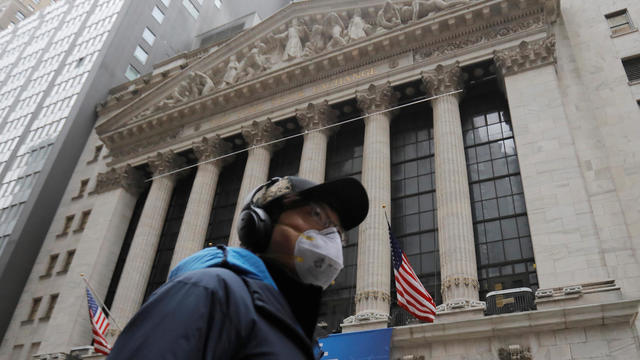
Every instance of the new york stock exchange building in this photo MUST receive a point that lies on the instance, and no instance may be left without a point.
(500, 137)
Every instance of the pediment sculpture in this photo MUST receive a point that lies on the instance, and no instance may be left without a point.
(305, 36)
(194, 86)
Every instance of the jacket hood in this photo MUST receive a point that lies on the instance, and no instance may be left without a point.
(241, 261)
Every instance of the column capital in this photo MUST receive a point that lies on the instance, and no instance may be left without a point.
(165, 162)
(443, 79)
(212, 147)
(376, 98)
(316, 116)
(261, 132)
(526, 56)
(125, 177)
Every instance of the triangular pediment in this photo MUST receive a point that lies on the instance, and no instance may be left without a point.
(301, 41)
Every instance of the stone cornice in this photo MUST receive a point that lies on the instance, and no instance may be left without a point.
(125, 177)
(443, 79)
(316, 116)
(376, 98)
(165, 162)
(516, 323)
(526, 56)
(442, 33)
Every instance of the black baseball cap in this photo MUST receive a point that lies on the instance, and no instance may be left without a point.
(346, 196)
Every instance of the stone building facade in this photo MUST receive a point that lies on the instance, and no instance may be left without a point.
(497, 135)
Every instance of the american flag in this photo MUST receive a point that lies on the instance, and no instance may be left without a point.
(100, 324)
(411, 294)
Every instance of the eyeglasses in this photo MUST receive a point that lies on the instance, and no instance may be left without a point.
(321, 219)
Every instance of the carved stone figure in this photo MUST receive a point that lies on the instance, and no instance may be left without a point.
(203, 84)
(423, 8)
(388, 17)
(293, 37)
(232, 71)
(197, 84)
(334, 27)
(358, 28)
(253, 63)
(316, 43)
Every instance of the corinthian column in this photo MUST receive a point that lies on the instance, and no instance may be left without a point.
(137, 267)
(314, 151)
(455, 225)
(256, 170)
(372, 284)
(116, 193)
(196, 216)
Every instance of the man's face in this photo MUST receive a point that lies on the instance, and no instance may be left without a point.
(292, 223)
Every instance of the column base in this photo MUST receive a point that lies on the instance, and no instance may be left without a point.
(365, 321)
(460, 309)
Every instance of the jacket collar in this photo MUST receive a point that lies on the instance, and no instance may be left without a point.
(272, 305)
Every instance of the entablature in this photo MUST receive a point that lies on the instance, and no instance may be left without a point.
(209, 94)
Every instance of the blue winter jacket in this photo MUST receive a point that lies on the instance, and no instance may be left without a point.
(220, 303)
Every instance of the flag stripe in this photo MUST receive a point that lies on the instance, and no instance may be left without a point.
(411, 294)
(99, 325)
(417, 298)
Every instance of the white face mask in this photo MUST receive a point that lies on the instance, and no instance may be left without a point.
(318, 256)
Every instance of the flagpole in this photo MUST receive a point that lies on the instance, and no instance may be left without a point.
(106, 309)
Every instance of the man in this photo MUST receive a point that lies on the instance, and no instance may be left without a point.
(260, 301)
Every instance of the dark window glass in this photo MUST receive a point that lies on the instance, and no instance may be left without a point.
(126, 244)
(503, 245)
(224, 201)
(413, 207)
(344, 158)
(170, 231)
(286, 160)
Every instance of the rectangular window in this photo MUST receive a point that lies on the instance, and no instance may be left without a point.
(67, 261)
(53, 259)
(83, 187)
(148, 36)
(140, 54)
(131, 73)
(166, 2)
(35, 305)
(16, 352)
(619, 22)
(98, 149)
(191, 8)
(19, 15)
(83, 221)
(52, 304)
(34, 349)
(632, 68)
(67, 225)
(157, 14)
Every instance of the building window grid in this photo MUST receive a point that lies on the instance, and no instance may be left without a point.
(503, 244)
(344, 158)
(413, 201)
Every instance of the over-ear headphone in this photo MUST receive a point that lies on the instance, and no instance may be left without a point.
(254, 224)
